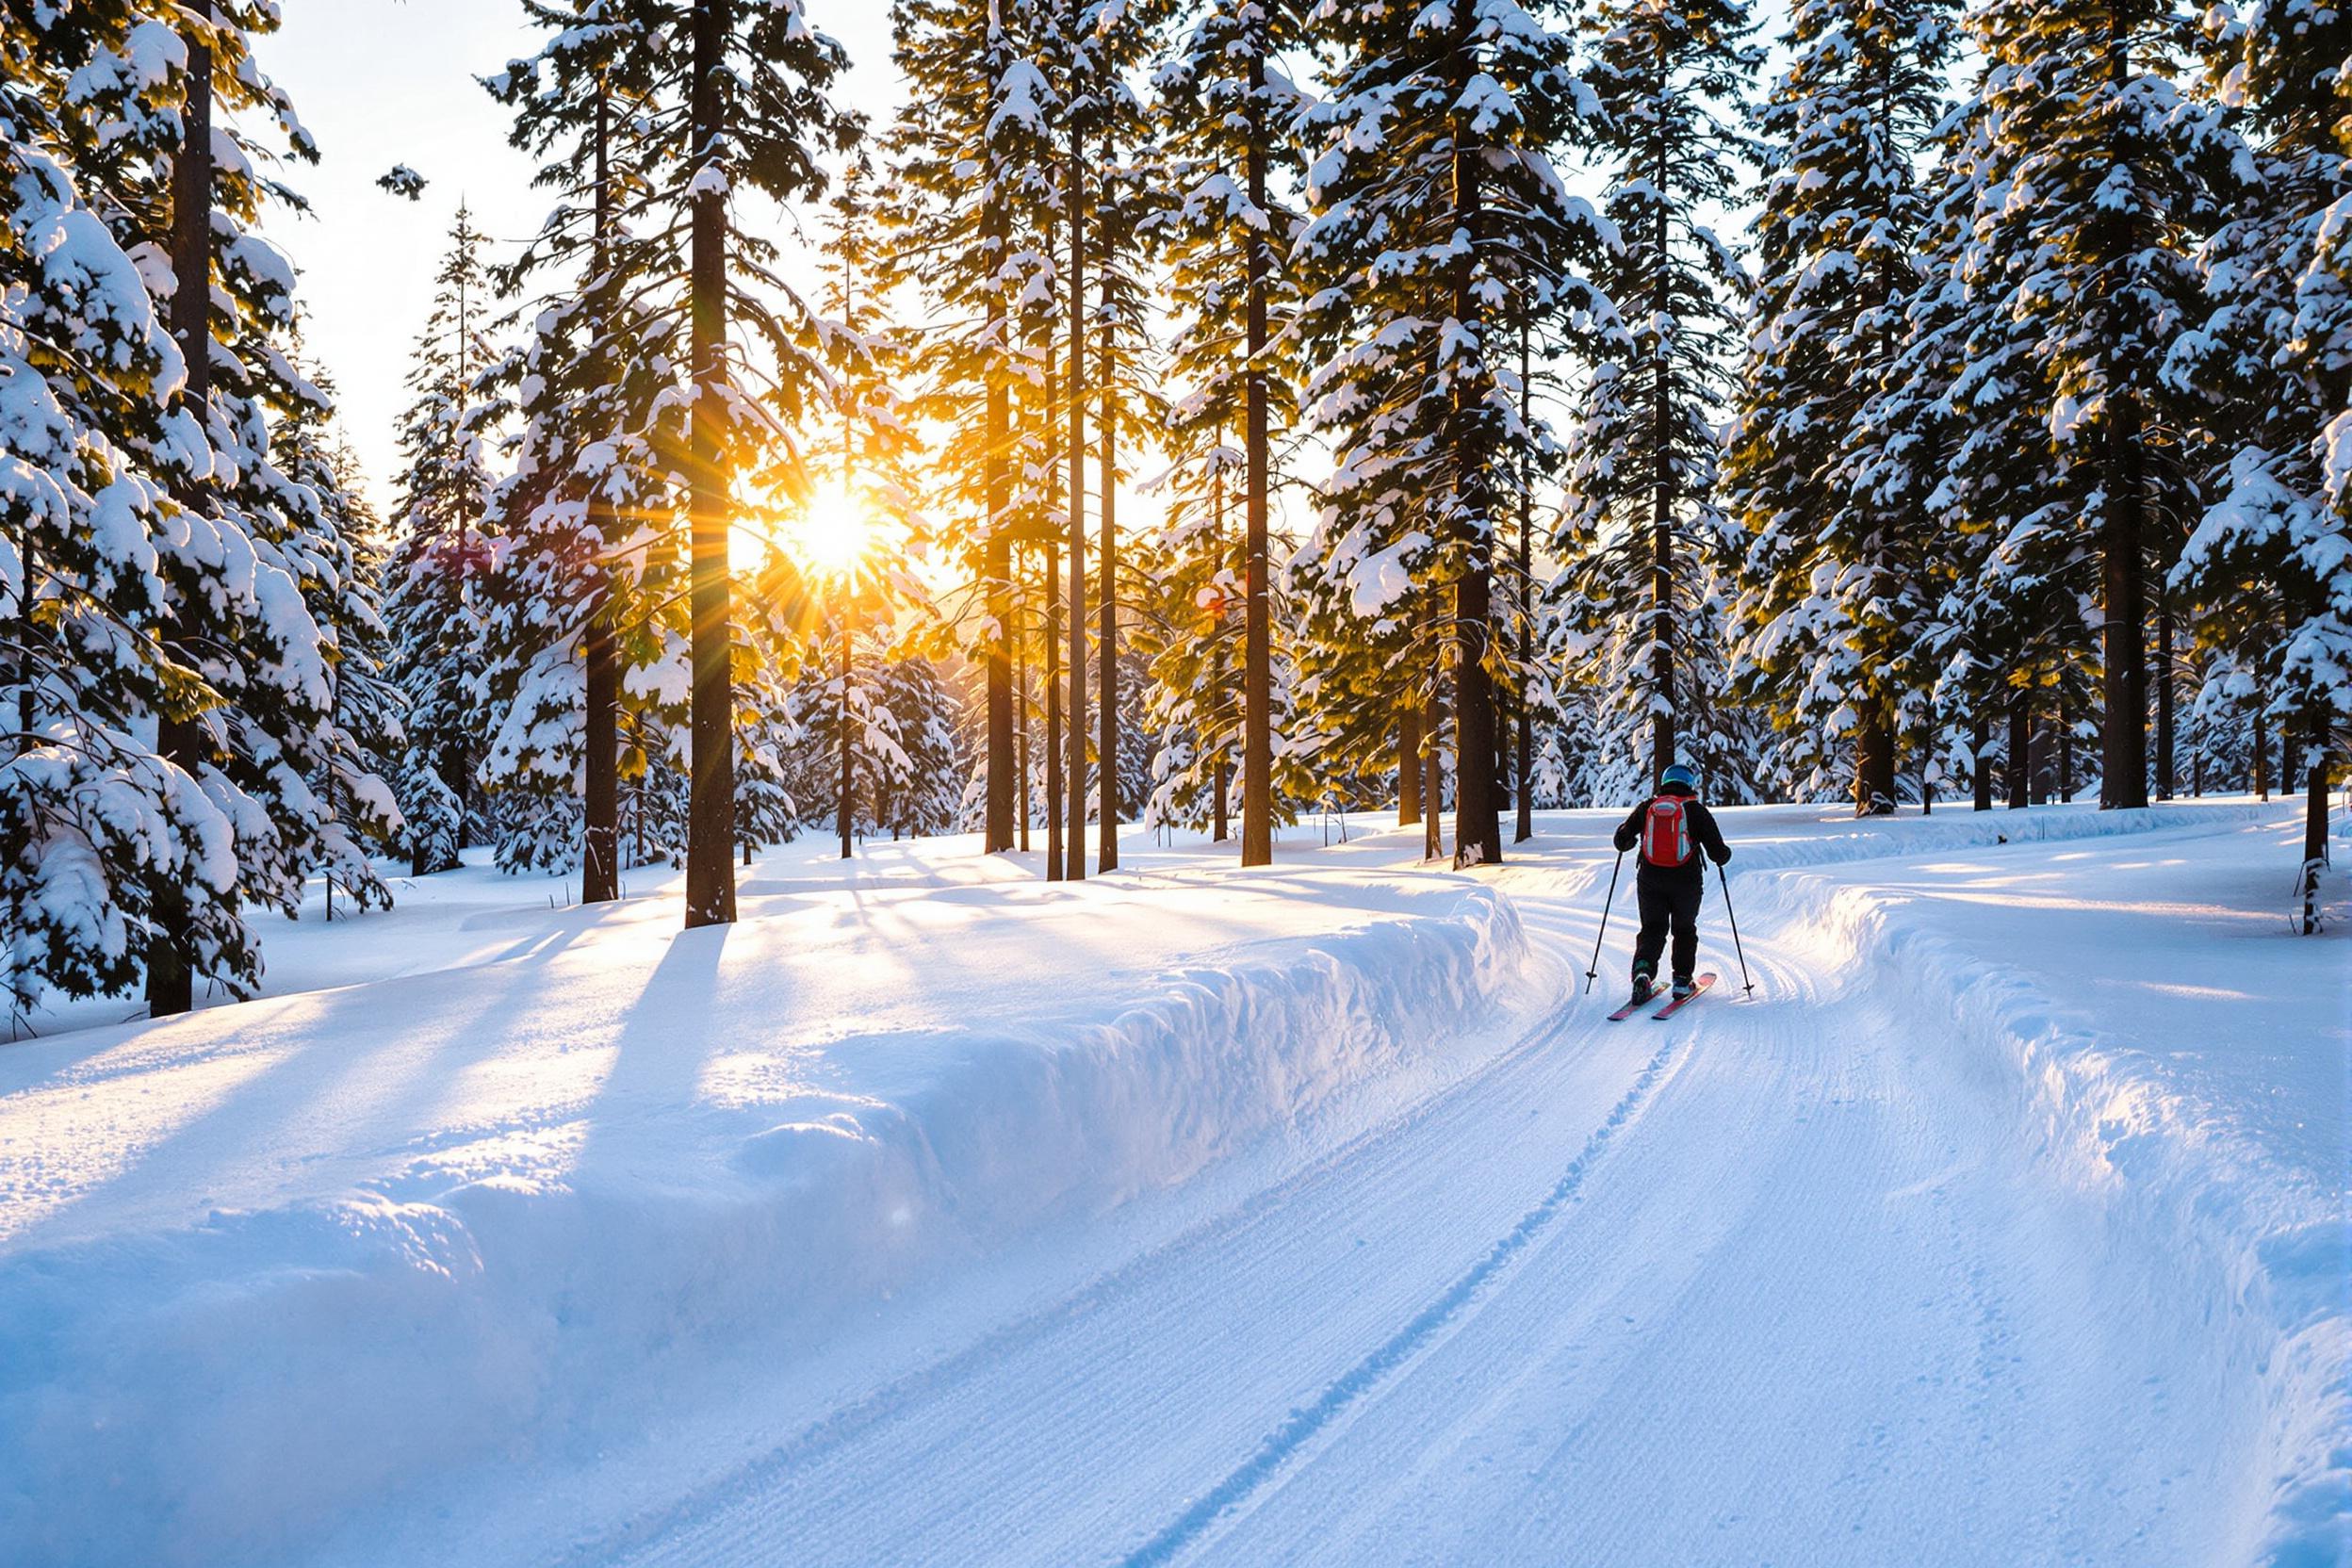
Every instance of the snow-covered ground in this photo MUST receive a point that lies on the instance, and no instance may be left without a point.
(934, 1214)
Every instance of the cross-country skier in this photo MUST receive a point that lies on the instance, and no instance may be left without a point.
(1672, 827)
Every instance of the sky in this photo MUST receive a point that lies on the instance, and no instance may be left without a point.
(384, 82)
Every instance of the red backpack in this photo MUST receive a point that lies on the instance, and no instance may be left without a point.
(1666, 832)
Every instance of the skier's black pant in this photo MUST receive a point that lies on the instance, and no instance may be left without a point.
(1664, 901)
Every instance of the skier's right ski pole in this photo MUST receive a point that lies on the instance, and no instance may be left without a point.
(1593, 973)
(1747, 986)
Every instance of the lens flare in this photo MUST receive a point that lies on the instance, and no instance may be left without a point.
(833, 531)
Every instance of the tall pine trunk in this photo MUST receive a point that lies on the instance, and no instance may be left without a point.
(1219, 672)
(600, 739)
(1477, 826)
(711, 804)
(171, 964)
(1257, 681)
(1523, 791)
(2123, 752)
(1004, 768)
(1053, 704)
(1661, 499)
(1106, 569)
(1021, 732)
(1074, 764)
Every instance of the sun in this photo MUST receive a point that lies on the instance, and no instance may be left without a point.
(833, 533)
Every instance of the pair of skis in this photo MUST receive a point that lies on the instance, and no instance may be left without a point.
(1673, 1006)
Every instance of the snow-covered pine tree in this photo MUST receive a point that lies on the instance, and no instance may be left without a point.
(916, 789)
(1959, 431)
(434, 604)
(1645, 530)
(852, 577)
(2106, 178)
(971, 167)
(591, 566)
(210, 742)
(1129, 173)
(2270, 564)
(725, 99)
(91, 816)
(1434, 197)
(1232, 110)
(340, 551)
(849, 752)
(1893, 457)
(1836, 583)
(1229, 110)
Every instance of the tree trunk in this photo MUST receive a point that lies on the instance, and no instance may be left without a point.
(1074, 764)
(1004, 767)
(711, 808)
(1503, 703)
(1257, 682)
(1477, 826)
(2261, 754)
(2020, 758)
(2123, 759)
(1524, 790)
(844, 809)
(1408, 764)
(1979, 771)
(22, 670)
(1662, 501)
(2314, 817)
(1432, 777)
(171, 964)
(1052, 710)
(2166, 769)
(600, 740)
(1020, 735)
(1873, 766)
(1106, 572)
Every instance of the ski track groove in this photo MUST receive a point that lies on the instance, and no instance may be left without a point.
(1367, 1373)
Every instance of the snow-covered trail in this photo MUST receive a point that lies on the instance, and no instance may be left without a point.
(1772, 1283)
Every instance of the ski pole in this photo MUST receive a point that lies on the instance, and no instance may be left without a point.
(1595, 972)
(1747, 986)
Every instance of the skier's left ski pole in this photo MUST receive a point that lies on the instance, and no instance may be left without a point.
(1593, 973)
(1747, 986)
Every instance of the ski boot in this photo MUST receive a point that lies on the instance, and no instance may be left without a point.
(1684, 986)
(1644, 986)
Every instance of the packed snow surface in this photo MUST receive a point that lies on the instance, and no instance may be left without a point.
(1315, 1215)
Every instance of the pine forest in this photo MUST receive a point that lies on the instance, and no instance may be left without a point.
(1203, 415)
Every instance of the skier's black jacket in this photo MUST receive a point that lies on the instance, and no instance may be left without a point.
(1704, 833)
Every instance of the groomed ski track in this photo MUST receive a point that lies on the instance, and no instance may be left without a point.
(1773, 1282)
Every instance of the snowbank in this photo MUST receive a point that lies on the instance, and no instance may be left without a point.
(199, 1394)
(1762, 837)
(2108, 1107)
